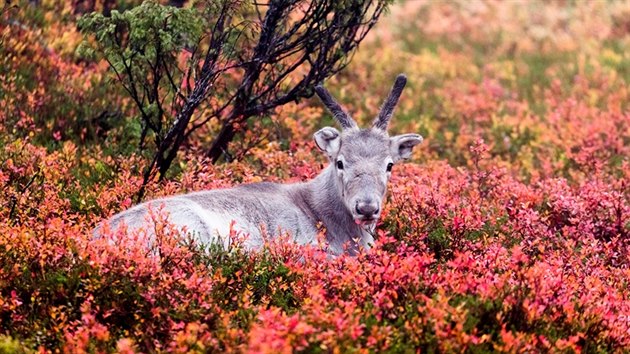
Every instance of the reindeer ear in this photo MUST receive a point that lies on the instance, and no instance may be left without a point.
(328, 140)
(402, 145)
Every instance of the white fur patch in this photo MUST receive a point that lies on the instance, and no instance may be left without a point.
(205, 226)
(217, 224)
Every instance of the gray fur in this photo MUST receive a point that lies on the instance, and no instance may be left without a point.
(329, 101)
(387, 110)
(346, 201)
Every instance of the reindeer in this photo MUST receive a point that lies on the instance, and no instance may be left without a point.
(346, 197)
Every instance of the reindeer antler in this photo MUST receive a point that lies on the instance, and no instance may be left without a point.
(333, 106)
(390, 103)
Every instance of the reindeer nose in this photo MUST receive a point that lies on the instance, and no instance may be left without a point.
(367, 208)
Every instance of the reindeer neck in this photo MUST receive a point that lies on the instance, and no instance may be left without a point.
(323, 197)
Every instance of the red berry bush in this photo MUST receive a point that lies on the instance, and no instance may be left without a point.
(508, 231)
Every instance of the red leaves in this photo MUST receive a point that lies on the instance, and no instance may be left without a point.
(509, 233)
(465, 257)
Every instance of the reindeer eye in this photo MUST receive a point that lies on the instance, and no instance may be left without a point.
(340, 165)
(389, 167)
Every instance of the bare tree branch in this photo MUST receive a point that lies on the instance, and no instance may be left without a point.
(252, 51)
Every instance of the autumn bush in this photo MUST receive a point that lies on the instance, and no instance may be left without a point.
(509, 231)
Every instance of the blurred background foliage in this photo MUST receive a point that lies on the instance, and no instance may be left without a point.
(507, 232)
(491, 70)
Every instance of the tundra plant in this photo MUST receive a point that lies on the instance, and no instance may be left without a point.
(346, 197)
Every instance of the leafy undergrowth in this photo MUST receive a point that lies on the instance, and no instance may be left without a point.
(509, 231)
(467, 259)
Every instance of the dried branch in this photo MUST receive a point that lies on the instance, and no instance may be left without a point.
(264, 48)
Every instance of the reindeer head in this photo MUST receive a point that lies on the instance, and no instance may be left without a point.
(363, 158)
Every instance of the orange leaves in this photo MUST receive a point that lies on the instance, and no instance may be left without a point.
(509, 233)
(525, 267)
(288, 333)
